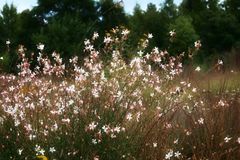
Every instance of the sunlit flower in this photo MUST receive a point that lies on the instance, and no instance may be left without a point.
(201, 121)
(155, 145)
(175, 141)
(117, 129)
(21, 49)
(150, 36)
(140, 53)
(125, 32)
(238, 140)
(227, 139)
(220, 62)
(86, 42)
(8, 42)
(20, 151)
(194, 90)
(66, 120)
(169, 155)
(188, 133)
(92, 125)
(172, 33)
(198, 69)
(177, 154)
(39, 150)
(107, 40)
(221, 103)
(40, 46)
(197, 44)
(52, 149)
(94, 141)
(96, 158)
(95, 35)
(129, 116)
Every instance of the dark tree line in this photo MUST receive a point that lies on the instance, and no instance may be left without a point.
(62, 25)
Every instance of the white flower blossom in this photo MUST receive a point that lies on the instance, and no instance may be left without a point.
(227, 139)
(107, 40)
(155, 145)
(172, 33)
(220, 62)
(177, 154)
(40, 46)
(52, 149)
(150, 36)
(238, 140)
(169, 155)
(201, 121)
(125, 32)
(198, 69)
(129, 117)
(197, 44)
(8, 42)
(95, 35)
(92, 125)
(20, 151)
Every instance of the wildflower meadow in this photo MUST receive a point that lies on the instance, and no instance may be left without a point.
(150, 106)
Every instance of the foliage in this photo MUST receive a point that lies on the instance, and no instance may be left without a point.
(111, 14)
(185, 35)
(8, 25)
(57, 30)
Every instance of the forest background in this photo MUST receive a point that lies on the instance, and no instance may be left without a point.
(63, 25)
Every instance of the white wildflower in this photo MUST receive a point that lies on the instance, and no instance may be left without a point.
(117, 129)
(94, 141)
(238, 140)
(41, 152)
(169, 155)
(177, 154)
(95, 35)
(129, 116)
(155, 145)
(194, 90)
(140, 53)
(198, 69)
(66, 120)
(125, 32)
(201, 121)
(107, 40)
(197, 44)
(220, 62)
(227, 139)
(96, 158)
(175, 141)
(52, 149)
(221, 103)
(92, 125)
(172, 33)
(150, 36)
(40, 46)
(20, 151)
(8, 42)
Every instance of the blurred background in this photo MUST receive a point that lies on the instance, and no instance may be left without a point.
(63, 25)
